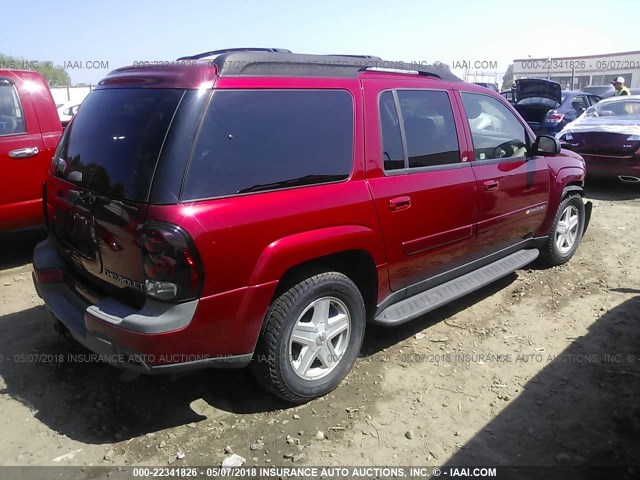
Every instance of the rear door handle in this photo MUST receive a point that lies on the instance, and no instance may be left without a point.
(490, 185)
(24, 152)
(399, 203)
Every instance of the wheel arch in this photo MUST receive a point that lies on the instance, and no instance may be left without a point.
(353, 250)
(567, 181)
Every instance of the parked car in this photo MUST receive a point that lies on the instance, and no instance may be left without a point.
(608, 138)
(29, 132)
(259, 208)
(599, 90)
(612, 92)
(489, 85)
(547, 108)
(67, 111)
(509, 95)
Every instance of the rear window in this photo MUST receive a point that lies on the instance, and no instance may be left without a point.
(254, 141)
(113, 144)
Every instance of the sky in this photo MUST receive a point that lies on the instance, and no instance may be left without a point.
(75, 32)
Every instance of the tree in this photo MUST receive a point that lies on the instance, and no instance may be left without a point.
(507, 79)
(55, 75)
(441, 65)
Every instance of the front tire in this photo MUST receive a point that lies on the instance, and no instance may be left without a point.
(311, 338)
(566, 232)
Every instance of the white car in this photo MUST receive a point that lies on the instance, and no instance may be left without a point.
(67, 111)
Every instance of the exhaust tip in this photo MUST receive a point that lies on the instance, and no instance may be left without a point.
(628, 179)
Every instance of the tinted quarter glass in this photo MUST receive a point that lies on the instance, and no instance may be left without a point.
(113, 144)
(496, 132)
(429, 128)
(392, 150)
(265, 140)
(11, 117)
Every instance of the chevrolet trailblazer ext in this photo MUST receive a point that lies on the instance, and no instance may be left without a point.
(260, 207)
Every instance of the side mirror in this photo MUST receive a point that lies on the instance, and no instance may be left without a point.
(547, 145)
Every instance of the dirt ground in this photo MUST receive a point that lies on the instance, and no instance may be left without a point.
(541, 368)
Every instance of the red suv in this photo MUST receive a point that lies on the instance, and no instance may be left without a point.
(259, 208)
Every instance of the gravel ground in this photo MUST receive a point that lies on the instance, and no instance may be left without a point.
(541, 368)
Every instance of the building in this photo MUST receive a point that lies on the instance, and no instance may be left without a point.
(62, 95)
(578, 72)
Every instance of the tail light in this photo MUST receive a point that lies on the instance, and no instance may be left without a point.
(554, 117)
(172, 268)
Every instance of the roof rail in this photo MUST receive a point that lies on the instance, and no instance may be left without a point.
(283, 64)
(232, 50)
(372, 57)
(423, 73)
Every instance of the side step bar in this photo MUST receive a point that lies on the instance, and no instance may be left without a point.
(429, 300)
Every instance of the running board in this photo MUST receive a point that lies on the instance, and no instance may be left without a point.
(429, 300)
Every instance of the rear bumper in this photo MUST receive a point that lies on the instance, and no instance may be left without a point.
(159, 337)
(608, 166)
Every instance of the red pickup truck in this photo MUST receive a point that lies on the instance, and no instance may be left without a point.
(29, 131)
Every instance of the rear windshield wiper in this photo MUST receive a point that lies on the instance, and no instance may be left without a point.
(293, 182)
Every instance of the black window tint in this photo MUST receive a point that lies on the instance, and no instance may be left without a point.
(429, 127)
(11, 117)
(113, 144)
(264, 140)
(392, 150)
(496, 132)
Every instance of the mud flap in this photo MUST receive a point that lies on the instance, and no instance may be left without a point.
(587, 216)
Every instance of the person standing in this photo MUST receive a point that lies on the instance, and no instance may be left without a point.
(618, 84)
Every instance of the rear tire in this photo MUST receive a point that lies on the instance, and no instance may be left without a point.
(311, 337)
(566, 232)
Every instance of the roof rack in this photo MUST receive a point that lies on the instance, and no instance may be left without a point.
(268, 63)
(212, 53)
(404, 71)
(353, 56)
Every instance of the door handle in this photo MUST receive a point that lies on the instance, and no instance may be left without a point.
(490, 185)
(399, 203)
(24, 152)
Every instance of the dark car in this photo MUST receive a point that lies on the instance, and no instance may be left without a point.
(547, 108)
(489, 85)
(509, 95)
(599, 90)
(608, 138)
(612, 92)
(259, 208)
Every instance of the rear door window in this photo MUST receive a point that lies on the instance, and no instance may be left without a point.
(429, 127)
(427, 135)
(253, 141)
(112, 145)
(11, 116)
(392, 148)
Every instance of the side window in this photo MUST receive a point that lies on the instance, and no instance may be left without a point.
(579, 104)
(429, 128)
(11, 117)
(254, 141)
(496, 132)
(392, 150)
(593, 99)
